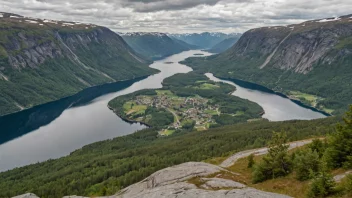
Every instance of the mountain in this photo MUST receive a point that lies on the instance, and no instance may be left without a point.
(154, 45)
(187, 45)
(43, 60)
(204, 40)
(224, 45)
(310, 61)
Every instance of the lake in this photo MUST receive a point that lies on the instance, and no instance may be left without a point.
(55, 129)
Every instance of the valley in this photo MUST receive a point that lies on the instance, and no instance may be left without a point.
(155, 45)
(312, 58)
(45, 60)
(88, 111)
(70, 127)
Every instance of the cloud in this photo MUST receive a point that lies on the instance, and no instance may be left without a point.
(159, 5)
(180, 15)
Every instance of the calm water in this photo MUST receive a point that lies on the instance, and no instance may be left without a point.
(276, 108)
(55, 129)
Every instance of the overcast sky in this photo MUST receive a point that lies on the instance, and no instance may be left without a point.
(180, 15)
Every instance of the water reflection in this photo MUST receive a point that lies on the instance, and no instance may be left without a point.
(277, 108)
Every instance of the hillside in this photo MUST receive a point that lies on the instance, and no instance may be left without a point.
(103, 168)
(43, 60)
(310, 61)
(223, 45)
(205, 40)
(154, 45)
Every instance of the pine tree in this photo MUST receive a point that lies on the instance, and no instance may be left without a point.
(306, 164)
(339, 151)
(250, 160)
(276, 163)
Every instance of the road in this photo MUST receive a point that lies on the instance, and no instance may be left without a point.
(261, 151)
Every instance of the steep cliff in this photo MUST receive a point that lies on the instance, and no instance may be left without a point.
(311, 58)
(44, 60)
(154, 45)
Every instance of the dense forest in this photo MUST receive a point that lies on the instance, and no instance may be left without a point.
(105, 167)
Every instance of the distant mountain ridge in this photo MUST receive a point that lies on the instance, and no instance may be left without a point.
(43, 60)
(224, 45)
(155, 45)
(205, 40)
(310, 61)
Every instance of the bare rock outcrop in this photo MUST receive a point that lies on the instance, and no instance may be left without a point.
(28, 195)
(172, 182)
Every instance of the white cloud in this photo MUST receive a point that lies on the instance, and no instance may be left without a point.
(180, 15)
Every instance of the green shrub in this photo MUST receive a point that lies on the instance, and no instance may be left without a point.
(250, 159)
(322, 185)
(306, 162)
(276, 163)
(339, 152)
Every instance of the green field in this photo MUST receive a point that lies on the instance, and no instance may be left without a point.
(164, 92)
(166, 132)
(211, 112)
(311, 99)
(208, 86)
(131, 107)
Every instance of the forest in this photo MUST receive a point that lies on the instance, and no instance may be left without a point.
(105, 167)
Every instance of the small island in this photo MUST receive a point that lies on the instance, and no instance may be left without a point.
(169, 62)
(198, 54)
(186, 102)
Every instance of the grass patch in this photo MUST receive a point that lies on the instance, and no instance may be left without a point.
(211, 112)
(132, 108)
(345, 42)
(164, 92)
(304, 97)
(239, 113)
(216, 160)
(288, 185)
(167, 132)
(208, 86)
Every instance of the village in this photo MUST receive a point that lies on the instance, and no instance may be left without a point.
(184, 109)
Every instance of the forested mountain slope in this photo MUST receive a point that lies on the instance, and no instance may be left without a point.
(223, 45)
(44, 60)
(154, 45)
(310, 61)
(105, 167)
(205, 40)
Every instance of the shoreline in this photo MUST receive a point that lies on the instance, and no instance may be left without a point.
(128, 120)
(254, 86)
(77, 93)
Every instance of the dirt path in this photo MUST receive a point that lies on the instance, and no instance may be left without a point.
(261, 151)
(339, 177)
(175, 115)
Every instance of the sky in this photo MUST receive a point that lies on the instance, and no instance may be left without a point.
(180, 16)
